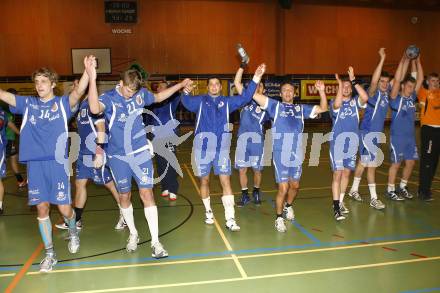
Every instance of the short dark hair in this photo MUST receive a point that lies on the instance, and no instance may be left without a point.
(432, 74)
(385, 74)
(213, 77)
(46, 72)
(408, 78)
(132, 78)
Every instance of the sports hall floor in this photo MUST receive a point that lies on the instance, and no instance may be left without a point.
(395, 250)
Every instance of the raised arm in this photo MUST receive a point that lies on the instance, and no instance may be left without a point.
(237, 80)
(95, 106)
(338, 99)
(363, 96)
(261, 100)
(377, 72)
(100, 140)
(323, 104)
(165, 94)
(398, 76)
(79, 91)
(8, 98)
(420, 74)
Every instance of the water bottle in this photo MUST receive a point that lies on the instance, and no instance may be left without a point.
(244, 56)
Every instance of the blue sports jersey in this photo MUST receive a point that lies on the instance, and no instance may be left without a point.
(376, 112)
(43, 123)
(126, 138)
(252, 118)
(346, 118)
(164, 112)
(287, 119)
(212, 114)
(86, 125)
(403, 115)
(3, 127)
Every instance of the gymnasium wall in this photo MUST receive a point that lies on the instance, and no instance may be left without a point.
(197, 37)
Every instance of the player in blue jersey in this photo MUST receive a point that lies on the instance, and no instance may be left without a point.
(250, 154)
(213, 138)
(344, 111)
(43, 146)
(287, 128)
(91, 131)
(165, 113)
(128, 149)
(402, 139)
(371, 129)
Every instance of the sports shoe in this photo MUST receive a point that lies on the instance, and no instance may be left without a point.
(132, 242)
(121, 225)
(244, 200)
(164, 193)
(343, 209)
(231, 225)
(355, 195)
(47, 263)
(425, 197)
(73, 244)
(377, 204)
(172, 197)
(64, 226)
(394, 196)
(288, 213)
(403, 192)
(280, 225)
(209, 218)
(157, 251)
(257, 197)
(339, 216)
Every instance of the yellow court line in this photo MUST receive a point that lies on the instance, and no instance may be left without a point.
(268, 276)
(220, 231)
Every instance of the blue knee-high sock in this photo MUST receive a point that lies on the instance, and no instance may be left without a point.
(46, 233)
(71, 223)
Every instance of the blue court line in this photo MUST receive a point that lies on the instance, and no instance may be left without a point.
(238, 252)
(422, 290)
(306, 232)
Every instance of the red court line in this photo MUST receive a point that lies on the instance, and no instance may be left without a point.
(389, 248)
(418, 255)
(314, 229)
(339, 236)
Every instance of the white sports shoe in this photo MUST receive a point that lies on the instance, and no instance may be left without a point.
(209, 218)
(73, 244)
(344, 210)
(288, 213)
(355, 195)
(47, 263)
(231, 225)
(121, 225)
(132, 242)
(280, 225)
(157, 250)
(377, 204)
(172, 196)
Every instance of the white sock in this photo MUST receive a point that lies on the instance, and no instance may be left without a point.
(127, 213)
(1, 204)
(153, 223)
(341, 197)
(355, 186)
(228, 204)
(403, 183)
(391, 187)
(207, 203)
(372, 188)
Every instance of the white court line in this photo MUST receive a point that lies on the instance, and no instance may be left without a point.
(289, 274)
(220, 231)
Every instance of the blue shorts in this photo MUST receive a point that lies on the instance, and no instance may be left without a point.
(99, 176)
(368, 154)
(139, 167)
(3, 164)
(202, 166)
(48, 182)
(285, 173)
(252, 156)
(337, 162)
(403, 148)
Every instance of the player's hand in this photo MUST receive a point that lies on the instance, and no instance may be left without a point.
(351, 73)
(382, 53)
(319, 85)
(189, 87)
(90, 66)
(98, 161)
(184, 83)
(259, 73)
(337, 78)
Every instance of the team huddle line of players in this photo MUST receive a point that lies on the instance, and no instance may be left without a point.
(114, 149)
